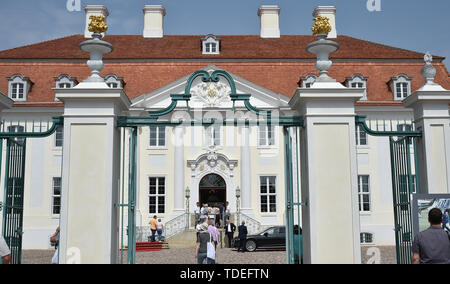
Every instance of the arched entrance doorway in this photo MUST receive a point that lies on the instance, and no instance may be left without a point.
(212, 190)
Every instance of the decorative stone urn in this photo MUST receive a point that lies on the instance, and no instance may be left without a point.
(322, 48)
(96, 48)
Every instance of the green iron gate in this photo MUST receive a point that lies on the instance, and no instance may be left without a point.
(15, 135)
(156, 118)
(14, 189)
(403, 156)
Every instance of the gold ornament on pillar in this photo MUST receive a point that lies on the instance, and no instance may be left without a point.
(98, 24)
(321, 26)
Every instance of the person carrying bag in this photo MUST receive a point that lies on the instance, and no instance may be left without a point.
(211, 254)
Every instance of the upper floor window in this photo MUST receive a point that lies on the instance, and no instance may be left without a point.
(361, 136)
(358, 81)
(19, 87)
(266, 135)
(64, 81)
(211, 44)
(213, 135)
(157, 136)
(308, 81)
(113, 81)
(401, 86)
(59, 136)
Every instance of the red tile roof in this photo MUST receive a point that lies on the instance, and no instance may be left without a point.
(189, 47)
(149, 64)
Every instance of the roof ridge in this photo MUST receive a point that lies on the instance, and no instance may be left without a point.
(390, 46)
(41, 42)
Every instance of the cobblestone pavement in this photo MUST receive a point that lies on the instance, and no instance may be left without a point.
(387, 254)
(224, 256)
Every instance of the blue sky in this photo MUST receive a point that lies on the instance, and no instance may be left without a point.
(417, 25)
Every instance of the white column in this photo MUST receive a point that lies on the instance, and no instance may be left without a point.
(329, 173)
(91, 173)
(246, 186)
(431, 116)
(179, 170)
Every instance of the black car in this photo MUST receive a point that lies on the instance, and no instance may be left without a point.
(272, 238)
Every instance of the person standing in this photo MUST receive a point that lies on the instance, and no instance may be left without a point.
(197, 211)
(227, 211)
(159, 229)
(298, 245)
(214, 232)
(5, 253)
(230, 228)
(445, 219)
(242, 229)
(204, 239)
(153, 223)
(432, 246)
(55, 241)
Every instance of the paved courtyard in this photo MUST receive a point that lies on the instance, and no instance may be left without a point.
(224, 256)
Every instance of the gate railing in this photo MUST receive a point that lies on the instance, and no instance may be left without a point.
(402, 140)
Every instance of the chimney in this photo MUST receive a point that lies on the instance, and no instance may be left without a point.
(270, 21)
(93, 10)
(154, 21)
(330, 13)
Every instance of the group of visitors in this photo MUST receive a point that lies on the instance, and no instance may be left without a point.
(156, 226)
(218, 213)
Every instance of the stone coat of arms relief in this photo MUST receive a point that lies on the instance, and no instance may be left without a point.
(211, 94)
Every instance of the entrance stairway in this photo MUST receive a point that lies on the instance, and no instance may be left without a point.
(151, 246)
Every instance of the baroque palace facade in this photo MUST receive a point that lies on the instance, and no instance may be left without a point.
(216, 160)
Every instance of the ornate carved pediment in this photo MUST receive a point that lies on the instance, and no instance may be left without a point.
(211, 94)
(212, 162)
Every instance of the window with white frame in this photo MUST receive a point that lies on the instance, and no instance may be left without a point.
(157, 195)
(211, 44)
(213, 135)
(56, 196)
(401, 86)
(64, 81)
(364, 193)
(361, 136)
(366, 238)
(308, 81)
(268, 194)
(266, 135)
(358, 81)
(157, 136)
(59, 136)
(18, 87)
(113, 81)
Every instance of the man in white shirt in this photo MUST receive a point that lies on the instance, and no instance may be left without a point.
(5, 253)
(197, 211)
(230, 228)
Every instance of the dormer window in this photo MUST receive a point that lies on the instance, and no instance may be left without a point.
(400, 86)
(64, 81)
(114, 82)
(19, 87)
(358, 81)
(308, 81)
(211, 44)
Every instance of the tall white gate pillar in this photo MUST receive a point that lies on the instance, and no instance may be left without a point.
(328, 164)
(89, 219)
(431, 115)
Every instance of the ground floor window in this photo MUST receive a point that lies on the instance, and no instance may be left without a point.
(366, 238)
(268, 194)
(364, 193)
(56, 196)
(157, 195)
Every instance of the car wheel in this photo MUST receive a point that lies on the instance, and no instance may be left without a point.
(250, 245)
